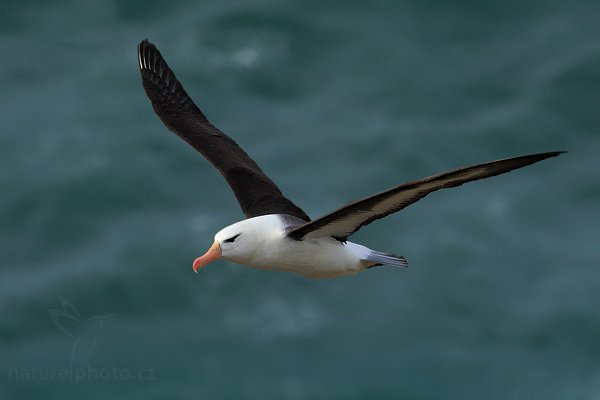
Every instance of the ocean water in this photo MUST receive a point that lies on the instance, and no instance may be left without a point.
(102, 210)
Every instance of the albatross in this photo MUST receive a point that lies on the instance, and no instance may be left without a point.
(276, 234)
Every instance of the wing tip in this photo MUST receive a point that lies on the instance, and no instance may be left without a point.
(552, 153)
(534, 158)
(148, 56)
(142, 53)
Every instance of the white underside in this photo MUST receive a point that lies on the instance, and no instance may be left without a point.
(314, 258)
(263, 244)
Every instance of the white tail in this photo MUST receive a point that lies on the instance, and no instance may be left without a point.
(388, 259)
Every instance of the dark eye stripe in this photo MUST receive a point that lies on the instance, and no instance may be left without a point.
(232, 239)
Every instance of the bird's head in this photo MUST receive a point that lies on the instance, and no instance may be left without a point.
(242, 241)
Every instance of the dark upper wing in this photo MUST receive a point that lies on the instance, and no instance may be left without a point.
(256, 193)
(342, 223)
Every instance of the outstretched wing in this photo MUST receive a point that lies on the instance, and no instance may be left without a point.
(255, 192)
(342, 223)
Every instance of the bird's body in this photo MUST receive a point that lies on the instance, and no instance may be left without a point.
(276, 234)
(264, 244)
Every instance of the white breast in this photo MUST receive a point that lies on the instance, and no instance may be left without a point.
(271, 249)
(315, 258)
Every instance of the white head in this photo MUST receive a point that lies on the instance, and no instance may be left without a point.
(242, 241)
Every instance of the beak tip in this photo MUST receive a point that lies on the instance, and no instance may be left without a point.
(196, 266)
(212, 254)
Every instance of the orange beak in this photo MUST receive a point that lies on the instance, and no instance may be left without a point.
(211, 255)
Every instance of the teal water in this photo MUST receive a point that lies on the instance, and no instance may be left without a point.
(102, 210)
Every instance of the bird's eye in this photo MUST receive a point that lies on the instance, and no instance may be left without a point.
(232, 239)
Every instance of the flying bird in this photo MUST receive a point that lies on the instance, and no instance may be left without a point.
(276, 234)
